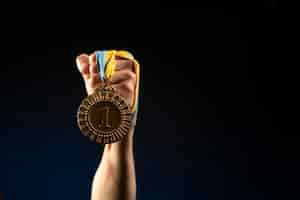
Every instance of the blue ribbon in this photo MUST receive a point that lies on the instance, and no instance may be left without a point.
(101, 64)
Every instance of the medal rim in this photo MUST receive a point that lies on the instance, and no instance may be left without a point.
(104, 137)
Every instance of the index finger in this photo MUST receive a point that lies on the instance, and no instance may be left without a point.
(122, 64)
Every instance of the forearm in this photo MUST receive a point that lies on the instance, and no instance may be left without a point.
(115, 177)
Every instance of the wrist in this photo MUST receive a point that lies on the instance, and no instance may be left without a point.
(123, 148)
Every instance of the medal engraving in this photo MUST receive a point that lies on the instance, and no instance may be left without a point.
(104, 116)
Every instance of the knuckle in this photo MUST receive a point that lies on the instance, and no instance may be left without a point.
(127, 87)
(92, 57)
(128, 63)
(130, 75)
(124, 64)
(81, 57)
(81, 60)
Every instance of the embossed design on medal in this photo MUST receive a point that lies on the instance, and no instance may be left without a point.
(104, 116)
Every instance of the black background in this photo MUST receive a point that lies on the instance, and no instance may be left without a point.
(215, 113)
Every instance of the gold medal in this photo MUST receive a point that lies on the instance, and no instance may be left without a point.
(104, 116)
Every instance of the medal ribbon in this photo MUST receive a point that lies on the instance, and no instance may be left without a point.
(106, 63)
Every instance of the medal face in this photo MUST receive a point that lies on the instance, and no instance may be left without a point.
(104, 116)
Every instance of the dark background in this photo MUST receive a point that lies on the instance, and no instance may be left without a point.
(215, 116)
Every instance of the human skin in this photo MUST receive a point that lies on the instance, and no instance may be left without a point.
(115, 177)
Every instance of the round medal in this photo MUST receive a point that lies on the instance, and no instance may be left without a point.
(104, 116)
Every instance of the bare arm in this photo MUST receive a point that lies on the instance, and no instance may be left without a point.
(115, 177)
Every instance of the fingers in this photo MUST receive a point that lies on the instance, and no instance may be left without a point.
(82, 62)
(93, 66)
(126, 89)
(86, 65)
(123, 79)
(123, 75)
(93, 81)
(123, 64)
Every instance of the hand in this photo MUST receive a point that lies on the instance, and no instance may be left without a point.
(123, 79)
